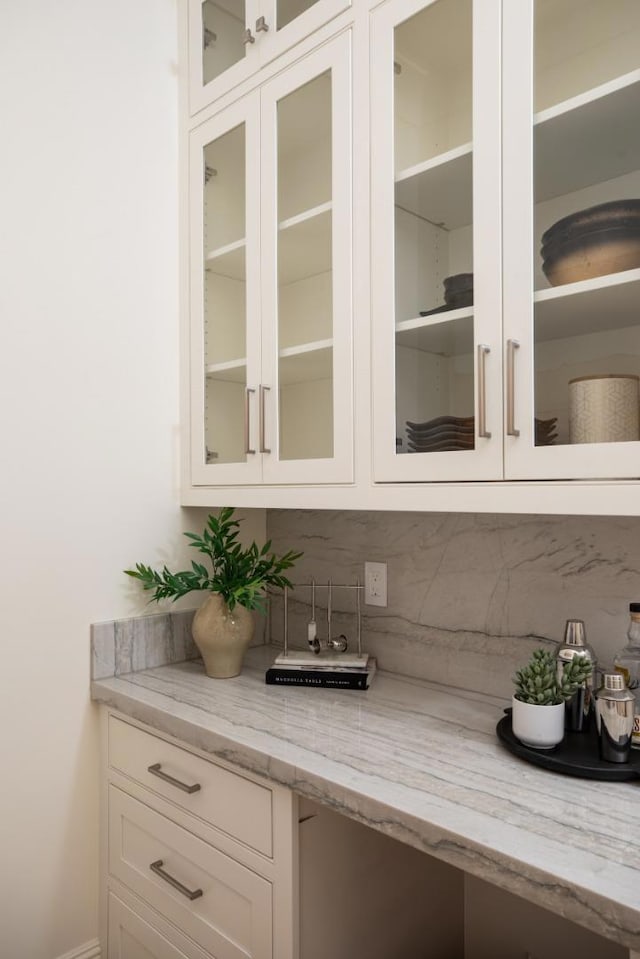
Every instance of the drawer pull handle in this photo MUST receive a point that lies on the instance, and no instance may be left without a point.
(159, 871)
(483, 432)
(512, 346)
(263, 390)
(156, 770)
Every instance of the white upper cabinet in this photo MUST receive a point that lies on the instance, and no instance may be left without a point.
(572, 296)
(231, 39)
(443, 193)
(435, 168)
(271, 253)
(506, 342)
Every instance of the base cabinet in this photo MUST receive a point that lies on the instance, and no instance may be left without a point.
(133, 937)
(197, 857)
(182, 877)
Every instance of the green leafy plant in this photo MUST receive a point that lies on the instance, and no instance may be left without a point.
(538, 683)
(239, 574)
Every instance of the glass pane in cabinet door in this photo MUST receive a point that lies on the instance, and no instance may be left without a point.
(305, 278)
(223, 26)
(587, 221)
(288, 10)
(434, 229)
(225, 297)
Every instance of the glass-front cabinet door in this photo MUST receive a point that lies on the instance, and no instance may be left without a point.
(271, 251)
(225, 279)
(572, 238)
(436, 240)
(231, 39)
(306, 269)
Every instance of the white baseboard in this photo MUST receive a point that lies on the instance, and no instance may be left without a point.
(90, 950)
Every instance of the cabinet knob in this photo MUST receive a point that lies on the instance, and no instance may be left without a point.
(248, 37)
(261, 25)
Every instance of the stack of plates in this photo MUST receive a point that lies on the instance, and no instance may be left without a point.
(448, 433)
(546, 431)
(442, 434)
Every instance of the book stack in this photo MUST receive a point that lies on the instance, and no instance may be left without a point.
(345, 671)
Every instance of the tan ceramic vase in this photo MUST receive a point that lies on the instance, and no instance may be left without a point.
(222, 636)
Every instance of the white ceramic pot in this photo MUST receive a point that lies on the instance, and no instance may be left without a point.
(222, 636)
(541, 727)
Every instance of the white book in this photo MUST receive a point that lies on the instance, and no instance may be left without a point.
(323, 660)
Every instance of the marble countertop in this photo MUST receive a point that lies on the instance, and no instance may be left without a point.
(419, 762)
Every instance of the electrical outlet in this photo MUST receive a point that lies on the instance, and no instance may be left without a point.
(375, 584)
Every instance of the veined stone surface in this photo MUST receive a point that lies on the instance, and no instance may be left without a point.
(420, 763)
(470, 595)
(142, 642)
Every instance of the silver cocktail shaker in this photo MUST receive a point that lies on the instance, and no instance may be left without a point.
(614, 718)
(579, 708)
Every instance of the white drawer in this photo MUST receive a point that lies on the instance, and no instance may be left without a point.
(132, 937)
(239, 807)
(223, 906)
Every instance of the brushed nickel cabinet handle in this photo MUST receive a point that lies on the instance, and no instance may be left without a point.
(159, 871)
(247, 421)
(263, 390)
(156, 770)
(483, 432)
(248, 37)
(261, 25)
(512, 346)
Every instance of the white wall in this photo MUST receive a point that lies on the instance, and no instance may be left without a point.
(88, 415)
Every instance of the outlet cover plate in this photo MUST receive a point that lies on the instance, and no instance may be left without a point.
(375, 584)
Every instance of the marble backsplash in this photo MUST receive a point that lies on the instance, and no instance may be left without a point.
(469, 596)
(142, 642)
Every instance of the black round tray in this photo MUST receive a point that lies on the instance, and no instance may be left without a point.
(576, 755)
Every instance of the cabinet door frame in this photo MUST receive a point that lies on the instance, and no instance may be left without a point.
(201, 94)
(267, 46)
(485, 461)
(245, 111)
(275, 42)
(524, 460)
(336, 57)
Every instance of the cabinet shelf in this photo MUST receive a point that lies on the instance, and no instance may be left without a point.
(584, 140)
(440, 189)
(305, 248)
(307, 361)
(304, 244)
(588, 139)
(452, 336)
(232, 371)
(228, 260)
(590, 306)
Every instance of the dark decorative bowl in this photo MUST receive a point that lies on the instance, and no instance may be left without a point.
(458, 290)
(619, 213)
(594, 242)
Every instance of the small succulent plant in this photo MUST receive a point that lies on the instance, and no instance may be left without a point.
(538, 683)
